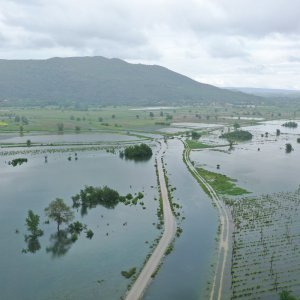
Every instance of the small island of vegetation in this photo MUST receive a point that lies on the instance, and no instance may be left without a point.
(129, 273)
(288, 148)
(17, 161)
(290, 124)
(237, 135)
(195, 135)
(137, 152)
(91, 196)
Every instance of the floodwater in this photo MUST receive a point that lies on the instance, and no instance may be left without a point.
(172, 130)
(86, 269)
(153, 108)
(192, 125)
(244, 118)
(260, 165)
(185, 272)
(67, 138)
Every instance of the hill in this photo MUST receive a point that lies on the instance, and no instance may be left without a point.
(102, 81)
(268, 93)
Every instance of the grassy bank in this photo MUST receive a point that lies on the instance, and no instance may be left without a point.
(221, 183)
(197, 145)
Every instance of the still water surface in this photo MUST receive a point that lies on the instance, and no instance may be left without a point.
(89, 269)
(186, 270)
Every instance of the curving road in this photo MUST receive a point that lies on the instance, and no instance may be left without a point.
(217, 285)
(137, 290)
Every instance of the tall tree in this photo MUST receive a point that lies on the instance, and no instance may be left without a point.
(59, 212)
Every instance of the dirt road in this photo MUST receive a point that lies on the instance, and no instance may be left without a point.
(137, 290)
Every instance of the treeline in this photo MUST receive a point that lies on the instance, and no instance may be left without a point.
(290, 124)
(21, 119)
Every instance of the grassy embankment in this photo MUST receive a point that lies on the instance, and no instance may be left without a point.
(222, 184)
(197, 145)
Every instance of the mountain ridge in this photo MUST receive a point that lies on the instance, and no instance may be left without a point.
(104, 81)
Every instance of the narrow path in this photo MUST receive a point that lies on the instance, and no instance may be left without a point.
(137, 290)
(217, 285)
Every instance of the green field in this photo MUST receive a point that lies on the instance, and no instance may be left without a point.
(3, 123)
(124, 118)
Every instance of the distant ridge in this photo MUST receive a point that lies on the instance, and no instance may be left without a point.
(264, 92)
(103, 81)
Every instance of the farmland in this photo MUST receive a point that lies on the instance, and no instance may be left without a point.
(266, 245)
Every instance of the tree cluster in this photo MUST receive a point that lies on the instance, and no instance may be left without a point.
(138, 152)
(290, 124)
(91, 196)
(196, 135)
(238, 135)
(17, 161)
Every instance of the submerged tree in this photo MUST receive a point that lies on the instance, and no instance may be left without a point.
(285, 295)
(32, 241)
(33, 244)
(290, 124)
(196, 135)
(59, 212)
(236, 126)
(32, 223)
(138, 152)
(288, 148)
(60, 127)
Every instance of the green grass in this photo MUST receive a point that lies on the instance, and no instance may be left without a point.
(3, 123)
(221, 183)
(197, 145)
(45, 119)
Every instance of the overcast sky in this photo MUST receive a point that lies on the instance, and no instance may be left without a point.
(248, 43)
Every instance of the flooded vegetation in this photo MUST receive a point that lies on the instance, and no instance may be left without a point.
(149, 150)
(91, 244)
(112, 210)
(265, 255)
(263, 260)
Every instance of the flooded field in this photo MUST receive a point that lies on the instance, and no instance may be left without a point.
(85, 269)
(67, 138)
(265, 239)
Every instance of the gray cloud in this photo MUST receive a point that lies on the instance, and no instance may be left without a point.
(205, 39)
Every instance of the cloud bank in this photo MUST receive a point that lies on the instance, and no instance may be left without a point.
(227, 43)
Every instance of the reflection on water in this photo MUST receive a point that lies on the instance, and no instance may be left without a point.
(33, 244)
(113, 248)
(61, 243)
